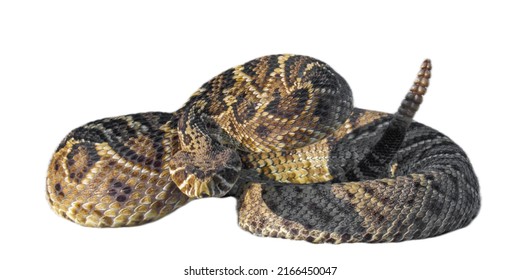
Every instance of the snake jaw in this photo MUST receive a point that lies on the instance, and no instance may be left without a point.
(195, 187)
(200, 176)
(208, 187)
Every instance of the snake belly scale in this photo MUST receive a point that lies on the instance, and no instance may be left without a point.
(280, 133)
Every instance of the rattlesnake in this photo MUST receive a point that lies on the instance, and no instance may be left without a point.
(280, 134)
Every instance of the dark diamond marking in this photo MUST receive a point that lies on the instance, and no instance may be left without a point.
(262, 131)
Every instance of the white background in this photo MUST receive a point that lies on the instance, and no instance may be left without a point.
(64, 63)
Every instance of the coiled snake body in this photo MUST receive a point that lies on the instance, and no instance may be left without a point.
(279, 133)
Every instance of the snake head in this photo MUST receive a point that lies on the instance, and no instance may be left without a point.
(211, 174)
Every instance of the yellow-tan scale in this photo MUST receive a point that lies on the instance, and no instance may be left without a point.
(308, 164)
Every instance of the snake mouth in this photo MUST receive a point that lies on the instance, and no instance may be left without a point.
(211, 183)
(210, 174)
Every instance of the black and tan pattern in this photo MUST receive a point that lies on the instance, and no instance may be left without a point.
(113, 172)
(274, 103)
(280, 134)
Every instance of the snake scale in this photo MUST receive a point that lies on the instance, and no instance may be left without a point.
(280, 133)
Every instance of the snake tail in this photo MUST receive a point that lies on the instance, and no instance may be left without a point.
(376, 163)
